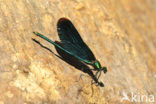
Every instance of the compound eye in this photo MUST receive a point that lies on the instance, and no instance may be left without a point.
(104, 69)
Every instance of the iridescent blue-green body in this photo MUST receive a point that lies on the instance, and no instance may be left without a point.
(73, 44)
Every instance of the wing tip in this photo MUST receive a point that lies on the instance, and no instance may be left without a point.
(62, 20)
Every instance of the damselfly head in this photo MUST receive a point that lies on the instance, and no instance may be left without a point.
(104, 69)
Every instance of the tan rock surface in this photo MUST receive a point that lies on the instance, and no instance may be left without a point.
(121, 34)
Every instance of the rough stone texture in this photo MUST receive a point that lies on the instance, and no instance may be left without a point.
(121, 34)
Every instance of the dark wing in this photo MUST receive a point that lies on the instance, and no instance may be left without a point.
(72, 41)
